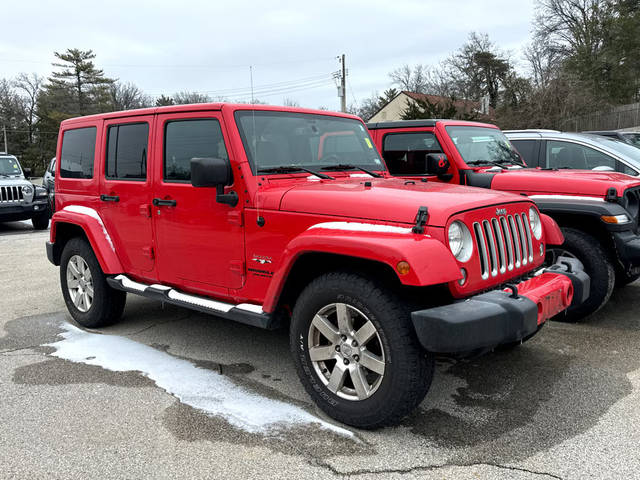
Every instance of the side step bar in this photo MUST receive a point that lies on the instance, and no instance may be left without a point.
(246, 313)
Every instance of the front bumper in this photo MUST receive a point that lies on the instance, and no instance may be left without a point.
(16, 212)
(493, 318)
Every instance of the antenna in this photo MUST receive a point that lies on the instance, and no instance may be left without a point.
(259, 219)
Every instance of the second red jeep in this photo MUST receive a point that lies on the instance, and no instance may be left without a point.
(274, 216)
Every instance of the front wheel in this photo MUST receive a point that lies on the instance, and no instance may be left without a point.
(597, 265)
(89, 298)
(356, 352)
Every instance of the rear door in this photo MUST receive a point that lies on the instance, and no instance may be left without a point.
(200, 242)
(125, 191)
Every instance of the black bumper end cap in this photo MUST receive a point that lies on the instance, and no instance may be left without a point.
(483, 321)
(574, 270)
(51, 254)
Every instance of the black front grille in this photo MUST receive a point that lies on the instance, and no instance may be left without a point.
(11, 194)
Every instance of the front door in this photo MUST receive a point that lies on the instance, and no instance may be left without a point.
(125, 191)
(200, 242)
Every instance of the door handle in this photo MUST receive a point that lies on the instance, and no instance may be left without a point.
(158, 202)
(110, 198)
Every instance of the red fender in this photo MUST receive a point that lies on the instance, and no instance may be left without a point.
(430, 261)
(89, 220)
(551, 231)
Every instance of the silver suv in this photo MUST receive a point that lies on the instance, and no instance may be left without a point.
(553, 150)
(19, 198)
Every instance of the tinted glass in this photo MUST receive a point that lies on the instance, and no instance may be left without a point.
(482, 145)
(78, 150)
(528, 150)
(280, 139)
(633, 138)
(406, 153)
(127, 151)
(187, 139)
(575, 156)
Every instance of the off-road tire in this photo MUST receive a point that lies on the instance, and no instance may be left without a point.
(41, 221)
(107, 305)
(408, 368)
(597, 265)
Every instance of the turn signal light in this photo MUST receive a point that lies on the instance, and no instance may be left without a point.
(403, 267)
(615, 218)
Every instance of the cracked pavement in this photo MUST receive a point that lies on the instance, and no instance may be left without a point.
(565, 405)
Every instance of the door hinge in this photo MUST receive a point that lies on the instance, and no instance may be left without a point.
(145, 210)
(237, 266)
(235, 218)
(148, 252)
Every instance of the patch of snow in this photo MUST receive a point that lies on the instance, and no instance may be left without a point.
(203, 389)
(90, 212)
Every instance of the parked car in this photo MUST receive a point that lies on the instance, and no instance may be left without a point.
(19, 198)
(632, 138)
(578, 151)
(49, 183)
(285, 216)
(597, 211)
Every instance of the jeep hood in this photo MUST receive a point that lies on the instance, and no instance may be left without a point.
(567, 182)
(388, 200)
(13, 181)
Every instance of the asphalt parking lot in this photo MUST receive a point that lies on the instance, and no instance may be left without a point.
(564, 405)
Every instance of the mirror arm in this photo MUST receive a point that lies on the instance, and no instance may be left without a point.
(230, 198)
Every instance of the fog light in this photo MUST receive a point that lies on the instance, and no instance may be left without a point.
(463, 280)
(36, 207)
(541, 249)
(403, 267)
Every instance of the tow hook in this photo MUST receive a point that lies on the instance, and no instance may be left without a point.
(514, 290)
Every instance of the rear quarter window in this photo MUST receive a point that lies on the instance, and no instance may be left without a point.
(528, 150)
(78, 153)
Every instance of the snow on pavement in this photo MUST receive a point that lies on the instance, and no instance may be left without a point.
(203, 389)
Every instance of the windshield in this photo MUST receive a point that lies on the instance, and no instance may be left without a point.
(482, 145)
(9, 166)
(287, 139)
(629, 151)
(634, 138)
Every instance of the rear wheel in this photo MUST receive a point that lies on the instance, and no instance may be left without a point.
(89, 298)
(356, 352)
(597, 265)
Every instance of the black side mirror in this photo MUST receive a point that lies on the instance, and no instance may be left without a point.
(214, 172)
(27, 172)
(437, 164)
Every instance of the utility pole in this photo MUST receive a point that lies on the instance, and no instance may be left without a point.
(343, 86)
(4, 134)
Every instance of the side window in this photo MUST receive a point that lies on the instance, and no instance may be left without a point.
(528, 150)
(627, 169)
(406, 153)
(127, 151)
(78, 151)
(574, 156)
(187, 139)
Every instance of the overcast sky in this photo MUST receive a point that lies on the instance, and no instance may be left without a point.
(207, 46)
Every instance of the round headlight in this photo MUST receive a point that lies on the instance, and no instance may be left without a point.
(27, 189)
(460, 241)
(535, 223)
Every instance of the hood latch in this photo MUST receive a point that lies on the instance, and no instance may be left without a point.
(421, 220)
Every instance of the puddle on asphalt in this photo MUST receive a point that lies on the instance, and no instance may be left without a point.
(200, 388)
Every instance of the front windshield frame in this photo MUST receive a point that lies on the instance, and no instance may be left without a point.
(510, 154)
(9, 166)
(325, 126)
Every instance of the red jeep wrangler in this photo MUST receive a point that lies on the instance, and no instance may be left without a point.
(597, 211)
(271, 216)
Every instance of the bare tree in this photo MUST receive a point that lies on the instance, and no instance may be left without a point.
(290, 102)
(412, 79)
(185, 97)
(127, 96)
(29, 88)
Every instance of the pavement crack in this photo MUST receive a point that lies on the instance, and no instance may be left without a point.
(18, 349)
(425, 468)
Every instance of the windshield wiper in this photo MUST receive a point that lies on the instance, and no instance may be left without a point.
(346, 166)
(294, 168)
(491, 162)
(4, 175)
